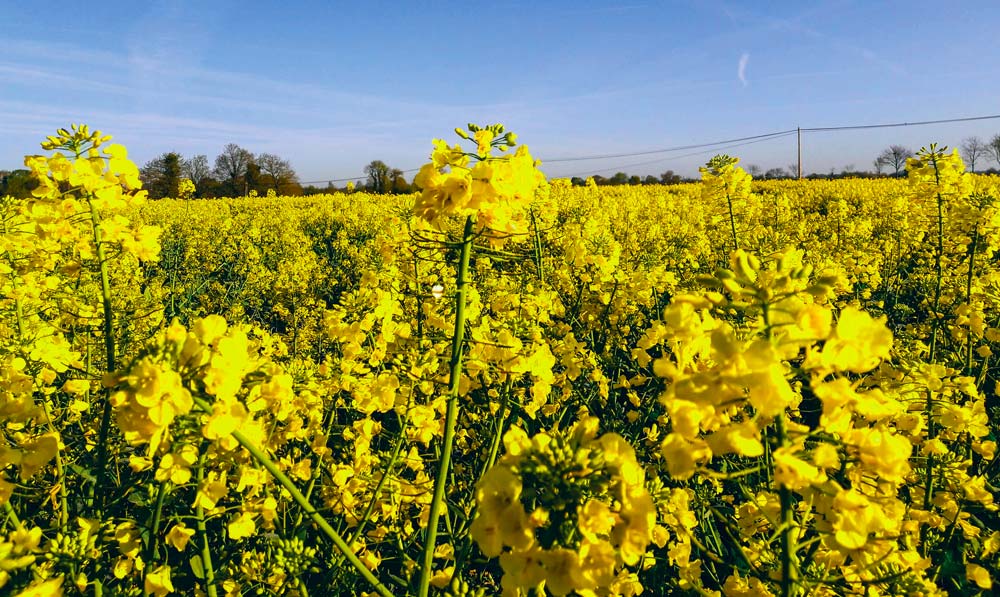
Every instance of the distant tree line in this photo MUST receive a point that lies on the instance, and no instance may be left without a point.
(890, 162)
(379, 178)
(975, 152)
(238, 172)
(621, 178)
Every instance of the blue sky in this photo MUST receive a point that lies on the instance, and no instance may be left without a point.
(331, 85)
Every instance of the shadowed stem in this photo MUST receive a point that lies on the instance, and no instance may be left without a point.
(206, 548)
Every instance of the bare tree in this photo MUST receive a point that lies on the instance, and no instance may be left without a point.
(794, 170)
(993, 148)
(754, 170)
(776, 173)
(879, 164)
(378, 176)
(197, 170)
(895, 157)
(972, 149)
(280, 170)
(231, 168)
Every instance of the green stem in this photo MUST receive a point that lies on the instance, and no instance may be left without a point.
(199, 512)
(931, 434)
(935, 320)
(788, 547)
(11, 514)
(420, 299)
(732, 222)
(397, 449)
(154, 525)
(264, 460)
(537, 247)
(501, 420)
(111, 366)
(938, 255)
(457, 340)
(317, 470)
(60, 473)
(968, 298)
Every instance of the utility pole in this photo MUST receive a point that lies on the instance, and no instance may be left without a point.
(798, 131)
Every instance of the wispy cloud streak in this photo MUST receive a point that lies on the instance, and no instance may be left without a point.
(741, 69)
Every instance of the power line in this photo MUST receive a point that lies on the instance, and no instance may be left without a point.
(738, 143)
(666, 150)
(750, 140)
(328, 180)
(781, 134)
(898, 124)
(686, 155)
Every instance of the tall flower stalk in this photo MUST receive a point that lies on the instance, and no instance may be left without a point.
(938, 178)
(451, 415)
(721, 178)
(492, 193)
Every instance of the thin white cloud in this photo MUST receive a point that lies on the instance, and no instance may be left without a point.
(741, 70)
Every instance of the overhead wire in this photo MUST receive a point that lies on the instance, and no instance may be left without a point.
(714, 145)
(685, 155)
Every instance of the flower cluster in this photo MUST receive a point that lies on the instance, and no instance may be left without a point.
(495, 189)
(567, 509)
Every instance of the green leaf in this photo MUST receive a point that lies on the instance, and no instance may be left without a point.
(85, 473)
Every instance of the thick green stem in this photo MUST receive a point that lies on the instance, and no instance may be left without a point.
(264, 460)
(457, 341)
(206, 548)
(938, 255)
(968, 298)
(788, 540)
(732, 222)
(11, 514)
(154, 525)
(98, 492)
(537, 247)
(789, 549)
(935, 322)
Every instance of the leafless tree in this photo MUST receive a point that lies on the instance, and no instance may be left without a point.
(879, 164)
(972, 149)
(894, 157)
(196, 169)
(280, 170)
(231, 167)
(993, 148)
